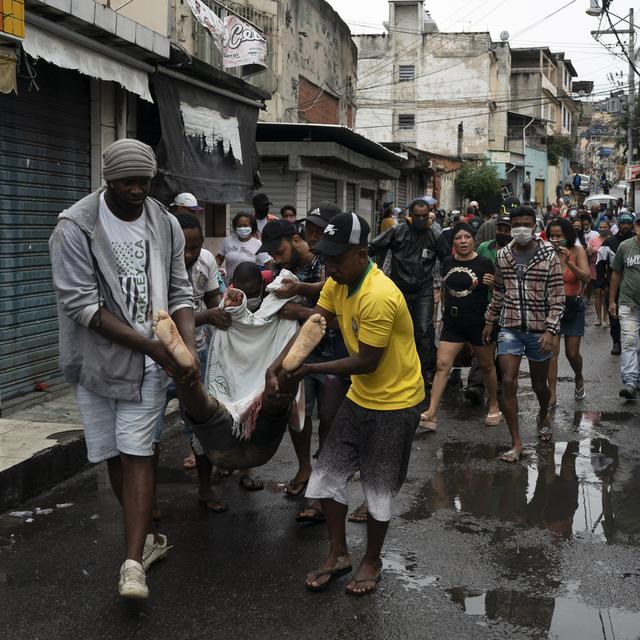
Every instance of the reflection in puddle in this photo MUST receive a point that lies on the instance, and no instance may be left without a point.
(569, 488)
(405, 570)
(558, 617)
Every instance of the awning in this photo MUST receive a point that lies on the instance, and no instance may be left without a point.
(208, 143)
(69, 55)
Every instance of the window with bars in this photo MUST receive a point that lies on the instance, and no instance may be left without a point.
(406, 121)
(406, 72)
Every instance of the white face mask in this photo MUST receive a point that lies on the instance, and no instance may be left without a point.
(244, 232)
(522, 235)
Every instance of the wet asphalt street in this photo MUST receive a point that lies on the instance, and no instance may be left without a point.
(477, 548)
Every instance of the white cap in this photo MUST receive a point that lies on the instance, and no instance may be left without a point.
(186, 200)
(473, 203)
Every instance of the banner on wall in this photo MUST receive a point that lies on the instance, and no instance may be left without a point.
(239, 42)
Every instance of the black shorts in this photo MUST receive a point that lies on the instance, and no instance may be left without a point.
(459, 332)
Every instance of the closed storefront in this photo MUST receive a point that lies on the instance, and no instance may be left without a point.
(279, 184)
(44, 167)
(366, 206)
(323, 190)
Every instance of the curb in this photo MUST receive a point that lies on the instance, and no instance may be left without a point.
(47, 468)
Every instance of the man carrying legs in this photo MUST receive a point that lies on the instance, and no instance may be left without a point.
(527, 305)
(373, 429)
(118, 257)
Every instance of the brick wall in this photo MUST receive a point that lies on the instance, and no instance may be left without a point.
(316, 105)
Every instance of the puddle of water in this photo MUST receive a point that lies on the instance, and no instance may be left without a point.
(559, 617)
(404, 569)
(573, 489)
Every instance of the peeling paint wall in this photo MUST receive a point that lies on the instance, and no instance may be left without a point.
(459, 77)
(306, 38)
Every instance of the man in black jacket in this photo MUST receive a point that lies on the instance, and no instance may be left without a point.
(415, 250)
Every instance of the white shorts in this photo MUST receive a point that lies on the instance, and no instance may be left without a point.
(122, 426)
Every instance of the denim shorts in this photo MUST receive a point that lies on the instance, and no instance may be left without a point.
(575, 326)
(512, 342)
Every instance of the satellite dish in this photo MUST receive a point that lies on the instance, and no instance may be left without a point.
(504, 36)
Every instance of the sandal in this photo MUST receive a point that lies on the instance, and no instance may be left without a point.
(360, 515)
(544, 433)
(493, 419)
(295, 488)
(333, 574)
(251, 484)
(512, 456)
(310, 515)
(426, 425)
(213, 505)
(355, 581)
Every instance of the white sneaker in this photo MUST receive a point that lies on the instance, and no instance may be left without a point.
(132, 582)
(154, 551)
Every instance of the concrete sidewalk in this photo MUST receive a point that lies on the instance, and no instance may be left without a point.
(40, 447)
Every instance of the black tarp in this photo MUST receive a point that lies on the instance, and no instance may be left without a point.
(208, 143)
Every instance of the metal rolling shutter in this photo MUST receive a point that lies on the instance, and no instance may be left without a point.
(45, 149)
(323, 190)
(401, 196)
(351, 197)
(280, 186)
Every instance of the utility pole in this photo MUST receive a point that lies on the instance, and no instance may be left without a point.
(631, 108)
(631, 97)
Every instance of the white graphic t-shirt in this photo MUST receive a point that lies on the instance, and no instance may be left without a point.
(131, 250)
(203, 276)
(235, 251)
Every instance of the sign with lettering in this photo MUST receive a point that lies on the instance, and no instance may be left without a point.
(632, 172)
(239, 42)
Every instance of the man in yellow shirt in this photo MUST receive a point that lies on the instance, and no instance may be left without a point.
(373, 429)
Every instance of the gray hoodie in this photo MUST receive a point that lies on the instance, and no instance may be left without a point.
(85, 278)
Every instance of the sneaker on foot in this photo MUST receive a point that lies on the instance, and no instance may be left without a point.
(616, 350)
(133, 583)
(628, 392)
(154, 551)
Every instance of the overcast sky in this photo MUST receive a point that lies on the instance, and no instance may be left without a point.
(568, 31)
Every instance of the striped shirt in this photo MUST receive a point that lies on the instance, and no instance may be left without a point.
(529, 299)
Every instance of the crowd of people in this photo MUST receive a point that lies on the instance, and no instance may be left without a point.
(294, 319)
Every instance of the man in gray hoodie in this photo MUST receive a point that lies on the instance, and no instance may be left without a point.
(117, 258)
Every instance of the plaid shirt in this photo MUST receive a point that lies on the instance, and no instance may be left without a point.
(529, 299)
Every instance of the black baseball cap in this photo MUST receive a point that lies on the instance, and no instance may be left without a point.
(503, 220)
(273, 233)
(321, 214)
(260, 199)
(344, 231)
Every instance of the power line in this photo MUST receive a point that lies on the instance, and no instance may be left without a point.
(539, 102)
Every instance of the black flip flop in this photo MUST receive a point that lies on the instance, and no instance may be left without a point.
(333, 575)
(251, 484)
(316, 518)
(302, 484)
(375, 581)
(206, 504)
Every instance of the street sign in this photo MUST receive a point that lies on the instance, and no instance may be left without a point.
(632, 172)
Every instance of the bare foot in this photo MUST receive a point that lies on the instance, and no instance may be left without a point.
(167, 332)
(232, 298)
(308, 338)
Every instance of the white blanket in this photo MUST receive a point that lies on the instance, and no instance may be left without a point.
(239, 358)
